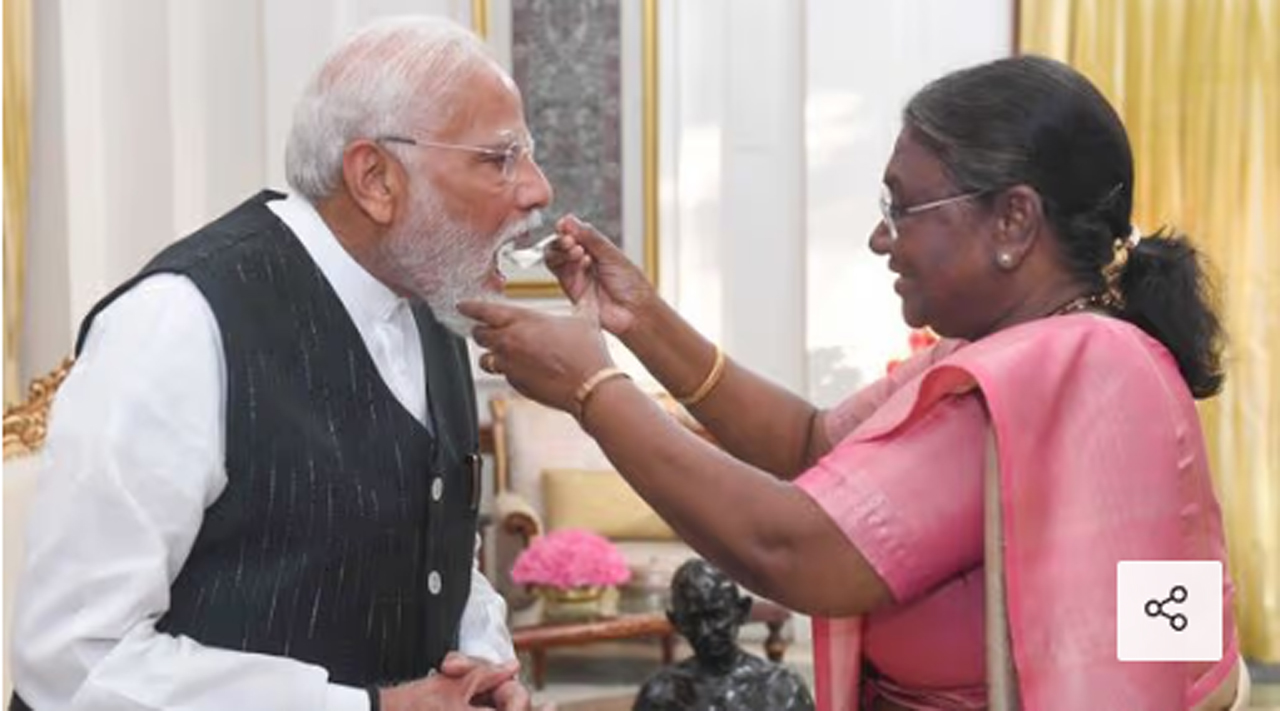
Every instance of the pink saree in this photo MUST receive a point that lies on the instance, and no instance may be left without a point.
(1101, 460)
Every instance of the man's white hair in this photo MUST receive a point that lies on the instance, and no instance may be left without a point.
(394, 76)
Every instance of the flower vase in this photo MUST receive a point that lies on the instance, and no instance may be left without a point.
(571, 604)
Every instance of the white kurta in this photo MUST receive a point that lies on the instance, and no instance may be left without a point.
(134, 456)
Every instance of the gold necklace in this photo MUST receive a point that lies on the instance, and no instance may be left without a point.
(1100, 302)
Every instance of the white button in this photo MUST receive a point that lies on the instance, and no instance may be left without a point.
(437, 489)
(433, 583)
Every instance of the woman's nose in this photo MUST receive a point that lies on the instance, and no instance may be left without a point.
(880, 241)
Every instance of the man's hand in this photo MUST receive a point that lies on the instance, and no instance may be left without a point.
(510, 695)
(443, 692)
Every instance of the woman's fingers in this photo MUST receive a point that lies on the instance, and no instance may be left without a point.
(588, 304)
(589, 238)
(563, 255)
(492, 313)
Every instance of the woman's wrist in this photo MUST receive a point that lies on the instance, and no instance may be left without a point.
(646, 315)
(589, 386)
(650, 319)
(592, 391)
(671, 349)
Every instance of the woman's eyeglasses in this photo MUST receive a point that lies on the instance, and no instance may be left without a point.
(891, 213)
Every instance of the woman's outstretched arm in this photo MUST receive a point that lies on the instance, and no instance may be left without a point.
(754, 419)
(878, 522)
(766, 533)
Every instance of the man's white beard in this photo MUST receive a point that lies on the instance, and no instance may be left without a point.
(444, 262)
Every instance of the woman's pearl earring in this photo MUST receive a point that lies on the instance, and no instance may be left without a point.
(1005, 259)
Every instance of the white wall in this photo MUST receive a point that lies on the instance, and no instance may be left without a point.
(733, 185)
(47, 318)
(148, 122)
(864, 61)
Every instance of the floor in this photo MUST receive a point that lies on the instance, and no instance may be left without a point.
(1266, 688)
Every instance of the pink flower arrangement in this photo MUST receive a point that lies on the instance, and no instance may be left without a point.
(571, 558)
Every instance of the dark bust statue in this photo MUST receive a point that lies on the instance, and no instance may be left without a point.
(708, 609)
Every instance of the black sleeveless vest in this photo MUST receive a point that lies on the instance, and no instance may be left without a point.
(344, 537)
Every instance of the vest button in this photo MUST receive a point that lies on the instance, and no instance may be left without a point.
(437, 489)
(433, 583)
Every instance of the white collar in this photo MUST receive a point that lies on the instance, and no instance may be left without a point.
(367, 299)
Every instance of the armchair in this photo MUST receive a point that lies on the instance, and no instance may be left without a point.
(548, 474)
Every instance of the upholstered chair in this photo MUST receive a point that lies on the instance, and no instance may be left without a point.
(548, 475)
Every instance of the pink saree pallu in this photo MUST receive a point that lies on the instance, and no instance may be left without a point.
(1101, 459)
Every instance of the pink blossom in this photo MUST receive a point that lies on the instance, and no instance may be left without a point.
(571, 558)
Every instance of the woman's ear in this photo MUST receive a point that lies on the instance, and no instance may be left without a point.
(1020, 214)
(373, 180)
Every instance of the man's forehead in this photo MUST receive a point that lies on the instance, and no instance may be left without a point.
(490, 113)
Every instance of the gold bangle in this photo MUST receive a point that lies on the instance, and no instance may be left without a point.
(713, 379)
(589, 386)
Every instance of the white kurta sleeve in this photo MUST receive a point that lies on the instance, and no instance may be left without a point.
(133, 458)
(483, 632)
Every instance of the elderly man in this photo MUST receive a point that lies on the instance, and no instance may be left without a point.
(263, 474)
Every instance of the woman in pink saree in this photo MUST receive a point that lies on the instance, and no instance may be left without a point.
(1075, 341)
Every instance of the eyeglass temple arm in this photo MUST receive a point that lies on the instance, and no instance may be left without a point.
(938, 203)
(453, 146)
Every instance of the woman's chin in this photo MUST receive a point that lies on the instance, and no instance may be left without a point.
(914, 317)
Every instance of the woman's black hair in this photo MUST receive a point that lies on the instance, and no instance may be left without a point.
(1034, 121)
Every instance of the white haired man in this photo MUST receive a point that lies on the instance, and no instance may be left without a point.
(263, 476)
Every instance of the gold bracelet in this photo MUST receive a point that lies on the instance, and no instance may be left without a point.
(590, 384)
(713, 379)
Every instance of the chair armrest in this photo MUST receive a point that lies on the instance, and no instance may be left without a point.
(517, 516)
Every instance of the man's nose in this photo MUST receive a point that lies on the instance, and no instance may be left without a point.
(533, 190)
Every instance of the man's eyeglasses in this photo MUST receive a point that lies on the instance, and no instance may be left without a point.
(891, 213)
(506, 159)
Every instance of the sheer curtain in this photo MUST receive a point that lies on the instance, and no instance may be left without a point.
(17, 133)
(1198, 86)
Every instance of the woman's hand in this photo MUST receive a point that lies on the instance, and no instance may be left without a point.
(597, 276)
(544, 357)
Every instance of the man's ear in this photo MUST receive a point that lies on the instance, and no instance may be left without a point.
(744, 608)
(1020, 215)
(374, 180)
